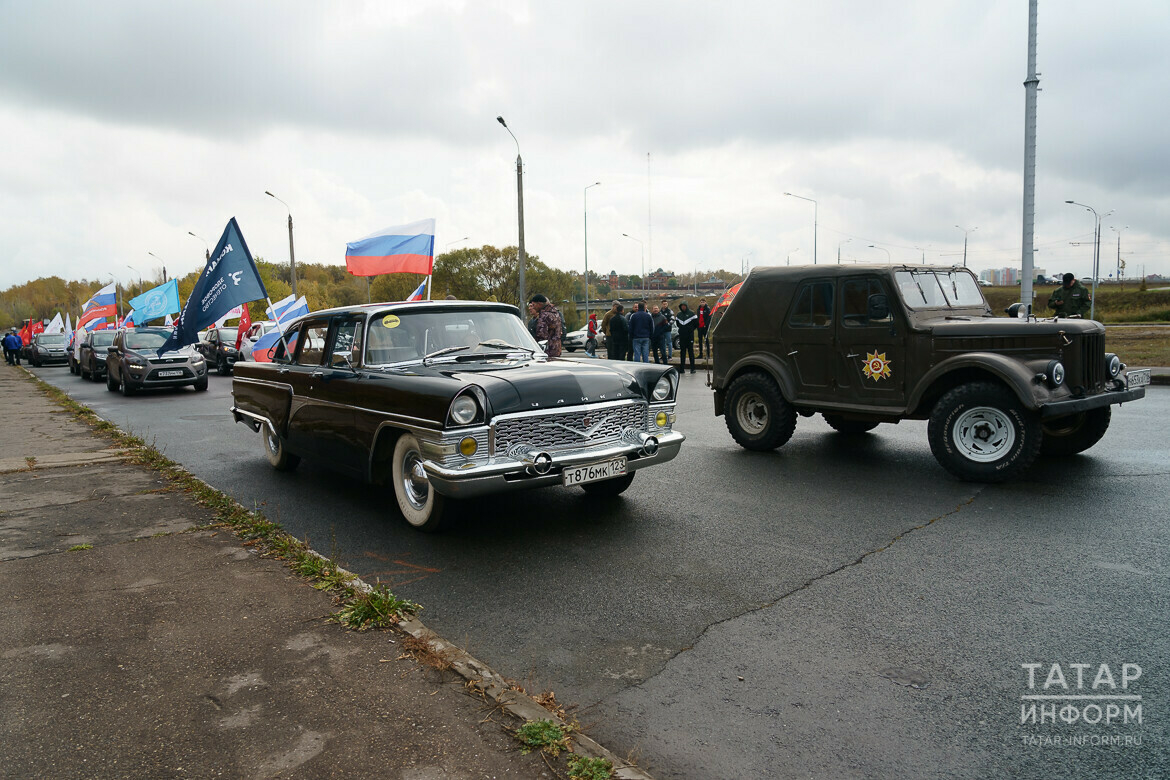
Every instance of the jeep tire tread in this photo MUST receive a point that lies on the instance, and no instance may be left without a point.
(1076, 433)
(758, 417)
(981, 433)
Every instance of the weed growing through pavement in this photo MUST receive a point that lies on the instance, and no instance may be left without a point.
(543, 735)
(581, 768)
(377, 608)
(78, 547)
(425, 652)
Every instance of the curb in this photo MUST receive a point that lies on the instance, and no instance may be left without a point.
(470, 668)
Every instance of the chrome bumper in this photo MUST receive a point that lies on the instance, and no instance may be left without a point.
(502, 474)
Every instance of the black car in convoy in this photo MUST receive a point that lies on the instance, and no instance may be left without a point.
(133, 362)
(218, 347)
(453, 400)
(48, 349)
(92, 351)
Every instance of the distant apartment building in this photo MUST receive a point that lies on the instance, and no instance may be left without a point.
(1003, 277)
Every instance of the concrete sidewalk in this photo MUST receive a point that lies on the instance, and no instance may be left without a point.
(166, 652)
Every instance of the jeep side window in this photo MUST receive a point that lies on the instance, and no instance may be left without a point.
(813, 307)
(855, 295)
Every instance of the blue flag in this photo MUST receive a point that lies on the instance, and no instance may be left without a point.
(229, 279)
(157, 302)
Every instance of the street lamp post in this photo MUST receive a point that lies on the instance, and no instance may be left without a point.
(1096, 254)
(456, 241)
(643, 248)
(1118, 232)
(519, 206)
(839, 245)
(292, 256)
(966, 232)
(586, 212)
(889, 260)
(206, 248)
(789, 194)
(788, 259)
(164, 267)
(135, 270)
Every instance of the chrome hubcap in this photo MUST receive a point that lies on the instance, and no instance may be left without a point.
(415, 485)
(983, 434)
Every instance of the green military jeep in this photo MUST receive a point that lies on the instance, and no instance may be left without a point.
(865, 345)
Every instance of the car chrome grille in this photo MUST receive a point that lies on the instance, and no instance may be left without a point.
(582, 427)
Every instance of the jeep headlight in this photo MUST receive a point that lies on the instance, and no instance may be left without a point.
(1055, 373)
(1112, 365)
(662, 389)
(463, 409)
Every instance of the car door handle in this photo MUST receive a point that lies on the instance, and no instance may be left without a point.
(283, 371)
(317, 374)
(793, 352)
(852, 355)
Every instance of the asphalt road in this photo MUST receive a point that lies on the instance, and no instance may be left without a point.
(839, 608)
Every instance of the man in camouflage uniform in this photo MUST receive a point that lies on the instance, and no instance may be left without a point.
(1070, 299)
(548, 324)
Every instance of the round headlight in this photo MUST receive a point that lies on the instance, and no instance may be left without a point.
(662, 389)
(1056, 373)
(464, 409)
(1113, 365)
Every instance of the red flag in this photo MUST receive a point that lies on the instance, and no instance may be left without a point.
(38, 326)
(26, 333)
(245, 323)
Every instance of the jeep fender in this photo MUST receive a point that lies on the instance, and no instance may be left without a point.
(758, 361)
(1015, 375)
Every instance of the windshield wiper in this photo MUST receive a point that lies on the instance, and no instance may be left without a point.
(920, 290)
(444, 351)
(506, 345)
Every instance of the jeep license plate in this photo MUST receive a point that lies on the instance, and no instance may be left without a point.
(171, 372)
(1139, 377)
(594, 472)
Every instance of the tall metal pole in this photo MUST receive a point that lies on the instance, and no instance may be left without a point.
(292, 255)
(839, 245)
(1096, 255)
(649, 227)
(642, 247)
(519, 208)
(789, 194)
(1118, 232)
(586, 197)
(966, 232)
(1031, 87)
(207, 249)
(164, 262)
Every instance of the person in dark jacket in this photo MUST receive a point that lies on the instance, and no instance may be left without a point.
(12, 348)
(641, 329)
(660, 337)
(1071, 299)
(549, 325)
(703, 321)
(688, 322)
(617, 341)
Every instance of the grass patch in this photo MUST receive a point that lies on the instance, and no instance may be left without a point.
(543, 735)
(1115, 304)
(581, 768)
(379, 608)
(79, 547)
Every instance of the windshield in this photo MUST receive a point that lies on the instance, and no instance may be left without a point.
(411, 335)
(145, 339)
(227, 334)
(55, 340)
(103, 339)
(939, 289)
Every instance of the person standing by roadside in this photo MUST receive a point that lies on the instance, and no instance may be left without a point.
(548, 324)
(660, 336)
(12, 345)
(664, 307)
(703, 320)
(617, 340)
(687, 323)
(609, 315)
(1071, 299)
(8, 348)
(641, 329)
(591, 333)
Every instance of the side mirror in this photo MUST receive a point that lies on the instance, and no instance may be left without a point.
(877, 307)
(341, 360)
(1014, 309)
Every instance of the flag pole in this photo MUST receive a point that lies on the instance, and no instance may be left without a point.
(429, 287)
(279, 327)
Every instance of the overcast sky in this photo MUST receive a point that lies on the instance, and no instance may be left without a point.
(124, 125)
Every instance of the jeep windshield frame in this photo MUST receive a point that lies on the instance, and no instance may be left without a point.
(935, 288)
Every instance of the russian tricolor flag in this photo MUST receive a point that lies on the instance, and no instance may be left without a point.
(418, 293)
(395, 250)
(102, 304)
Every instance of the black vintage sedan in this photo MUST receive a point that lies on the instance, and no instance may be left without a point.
(453, 400)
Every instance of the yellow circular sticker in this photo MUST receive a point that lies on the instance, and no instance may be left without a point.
(390, 321)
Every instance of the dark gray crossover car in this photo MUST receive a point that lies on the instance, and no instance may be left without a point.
(133, 362)
(48, 349)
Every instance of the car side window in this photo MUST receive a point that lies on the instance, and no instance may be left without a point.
(855, 295)
(347, 341)
(812, 306)
(311, 349)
